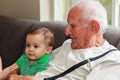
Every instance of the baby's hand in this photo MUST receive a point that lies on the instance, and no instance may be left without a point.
(17, 77)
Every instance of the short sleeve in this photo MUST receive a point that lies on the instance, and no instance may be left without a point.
(20, 61)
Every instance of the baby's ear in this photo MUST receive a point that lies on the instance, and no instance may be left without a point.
(49, 49)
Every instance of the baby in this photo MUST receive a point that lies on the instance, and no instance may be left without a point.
(39, 44)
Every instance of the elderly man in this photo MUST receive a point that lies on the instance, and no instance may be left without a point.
(87, 21)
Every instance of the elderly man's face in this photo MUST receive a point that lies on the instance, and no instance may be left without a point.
(78, 30)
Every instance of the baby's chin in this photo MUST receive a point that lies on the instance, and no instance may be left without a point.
(33, 59)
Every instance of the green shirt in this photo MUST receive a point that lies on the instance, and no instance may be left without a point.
(31, 69)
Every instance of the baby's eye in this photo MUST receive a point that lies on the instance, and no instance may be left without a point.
(27, 45)
(36, 46)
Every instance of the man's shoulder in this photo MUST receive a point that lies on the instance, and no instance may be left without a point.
(64, 48)
(67, 41)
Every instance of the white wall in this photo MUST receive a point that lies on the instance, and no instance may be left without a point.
(61, 8)
(46, 10)
(29, 9)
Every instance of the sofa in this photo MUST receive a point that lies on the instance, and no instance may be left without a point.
(13, 33)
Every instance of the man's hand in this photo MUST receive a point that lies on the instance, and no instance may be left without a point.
(17, 77)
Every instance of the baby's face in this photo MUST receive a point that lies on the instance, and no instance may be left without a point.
(36, 46)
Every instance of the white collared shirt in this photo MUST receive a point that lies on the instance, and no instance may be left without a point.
(66, 57)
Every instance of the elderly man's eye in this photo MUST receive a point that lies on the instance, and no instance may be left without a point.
(73, 26)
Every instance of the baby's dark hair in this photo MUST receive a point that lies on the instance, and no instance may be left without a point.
(47, 33)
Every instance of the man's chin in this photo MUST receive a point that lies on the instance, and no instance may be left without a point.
(73, 46)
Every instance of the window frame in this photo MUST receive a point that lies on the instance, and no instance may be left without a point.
(115, 13)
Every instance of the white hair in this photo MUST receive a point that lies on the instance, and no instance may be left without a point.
(93, 10)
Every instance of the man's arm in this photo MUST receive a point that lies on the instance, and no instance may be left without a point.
(0, 64)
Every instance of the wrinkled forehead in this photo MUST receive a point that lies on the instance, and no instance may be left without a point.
(75, 14)
(75, 11)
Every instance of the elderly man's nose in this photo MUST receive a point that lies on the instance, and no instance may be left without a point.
(67, 30)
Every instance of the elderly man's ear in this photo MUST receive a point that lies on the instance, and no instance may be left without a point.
(95, 26)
